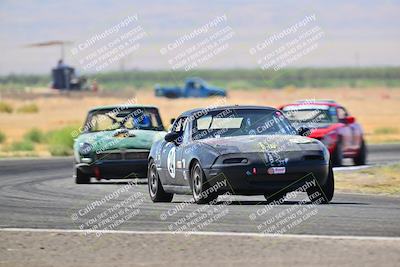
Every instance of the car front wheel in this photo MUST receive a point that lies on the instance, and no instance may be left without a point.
(361, 157)
(200, 188)
(81, 178)
(323, 194)
(337, 155)
(156, 190)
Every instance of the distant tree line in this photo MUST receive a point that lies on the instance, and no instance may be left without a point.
(231, 78)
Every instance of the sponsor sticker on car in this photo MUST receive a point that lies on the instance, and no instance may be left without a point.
(276, 170)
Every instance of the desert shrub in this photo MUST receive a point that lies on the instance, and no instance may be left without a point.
(60, 150)
(385, 130)
(23, 145)
(60, 141)
(2, 137)
(5, 107)
(28, 108)
(35, 135)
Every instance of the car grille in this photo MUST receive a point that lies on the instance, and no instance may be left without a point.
(122, 155)
(109, 156)
(137, 155)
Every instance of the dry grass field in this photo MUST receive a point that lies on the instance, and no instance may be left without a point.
(376, 109)
(375, 180)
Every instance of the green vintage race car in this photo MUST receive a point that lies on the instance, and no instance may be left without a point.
(115, 142)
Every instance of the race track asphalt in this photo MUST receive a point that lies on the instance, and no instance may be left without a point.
(41, 193)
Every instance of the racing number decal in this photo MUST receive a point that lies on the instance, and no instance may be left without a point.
(171, 162)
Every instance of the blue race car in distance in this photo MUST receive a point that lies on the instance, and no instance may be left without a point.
(194, 87)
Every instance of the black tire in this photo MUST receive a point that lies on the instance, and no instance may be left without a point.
(156, 190)
(200, 186)
(81, 178)
(361, 158)
(325, 192)
(278, 196)
(337, 155)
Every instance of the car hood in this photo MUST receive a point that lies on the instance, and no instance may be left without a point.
(320, 130)
(110, 140)
(261, 143)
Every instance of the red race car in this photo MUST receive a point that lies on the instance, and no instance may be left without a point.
(330, 123)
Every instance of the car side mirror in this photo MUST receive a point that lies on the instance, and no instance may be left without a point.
(172, 120)
(350, 119)
(304, 131)
(171, 136)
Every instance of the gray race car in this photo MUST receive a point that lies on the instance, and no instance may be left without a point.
(244, 150)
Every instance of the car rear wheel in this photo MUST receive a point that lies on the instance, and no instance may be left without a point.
(200, 187)
(156, 190)
(337, 155)
(323, 194)
(81, 178)
(361, 158)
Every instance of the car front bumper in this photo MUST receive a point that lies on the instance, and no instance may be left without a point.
(255, 179)
(115, 169)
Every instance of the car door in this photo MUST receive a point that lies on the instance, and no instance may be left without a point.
(179, 153)
(355, 133)
(194, 89)
(346, 131)
(169, 154)
(358, 139)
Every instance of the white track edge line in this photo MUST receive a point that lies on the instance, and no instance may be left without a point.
(298, 236)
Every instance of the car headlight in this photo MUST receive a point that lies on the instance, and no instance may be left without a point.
(85, 148)
(324, 150)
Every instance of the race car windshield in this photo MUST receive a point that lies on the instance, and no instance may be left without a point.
(303, 115)
(237, 122)
(131, 119)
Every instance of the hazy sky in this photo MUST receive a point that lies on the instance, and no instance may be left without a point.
(365, 33)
